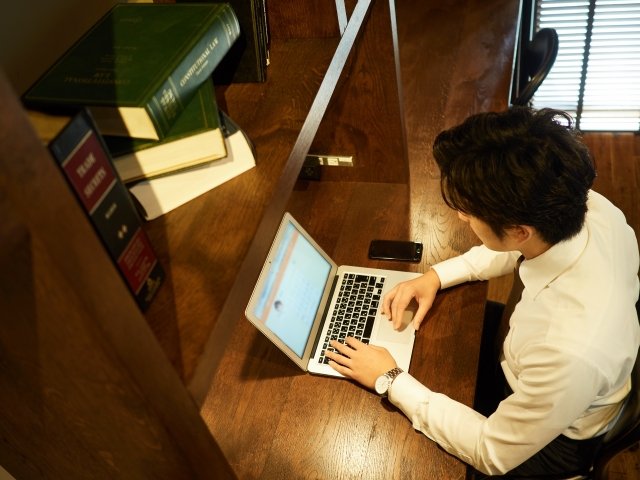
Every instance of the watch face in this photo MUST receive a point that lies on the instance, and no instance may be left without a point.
(382, 384)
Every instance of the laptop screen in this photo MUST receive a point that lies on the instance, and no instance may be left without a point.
(290, 296)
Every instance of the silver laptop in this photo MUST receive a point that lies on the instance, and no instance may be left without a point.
(303, 300)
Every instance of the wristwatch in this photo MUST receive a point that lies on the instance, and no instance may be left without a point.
(383, 383)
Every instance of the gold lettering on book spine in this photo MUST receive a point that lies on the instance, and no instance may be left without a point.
(86, 165)
(169, 103)
(197, 66)
(94, 183)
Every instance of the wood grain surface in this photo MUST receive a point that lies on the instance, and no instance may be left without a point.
(617, 156)
(296, 19)
(273, 421)
(364, 119)
(306, 19)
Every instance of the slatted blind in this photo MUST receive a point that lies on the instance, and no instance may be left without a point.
(596, 76)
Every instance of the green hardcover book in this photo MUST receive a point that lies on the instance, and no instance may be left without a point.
(139, 66)
(195, 139)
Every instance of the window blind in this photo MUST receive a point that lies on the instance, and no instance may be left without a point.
(596, 76)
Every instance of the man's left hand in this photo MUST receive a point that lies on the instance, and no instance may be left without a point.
(364, 363)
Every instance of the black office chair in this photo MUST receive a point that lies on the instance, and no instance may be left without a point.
(535, 64)
(625, 433)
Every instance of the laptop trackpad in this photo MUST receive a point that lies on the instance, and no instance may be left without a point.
(406, 331)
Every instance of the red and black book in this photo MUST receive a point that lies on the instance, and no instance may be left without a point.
(80, 151)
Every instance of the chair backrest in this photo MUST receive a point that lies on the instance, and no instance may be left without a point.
(626, 431)
(537, 62)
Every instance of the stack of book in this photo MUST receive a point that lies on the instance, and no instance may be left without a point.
(203, 149)
(134, 95)
(144, 73)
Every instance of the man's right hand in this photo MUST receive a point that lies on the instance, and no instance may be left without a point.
(423, 289)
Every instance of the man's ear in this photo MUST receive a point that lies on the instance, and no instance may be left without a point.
(522, 233)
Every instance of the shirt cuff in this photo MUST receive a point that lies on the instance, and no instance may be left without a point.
(452, 272)
(411, 397)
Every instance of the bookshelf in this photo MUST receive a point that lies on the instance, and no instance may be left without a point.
(121, 391)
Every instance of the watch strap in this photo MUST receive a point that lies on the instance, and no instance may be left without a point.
(391, 375)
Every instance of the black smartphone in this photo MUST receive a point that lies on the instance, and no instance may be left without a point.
(395, 250)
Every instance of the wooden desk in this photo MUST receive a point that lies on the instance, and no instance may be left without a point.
(273, 421)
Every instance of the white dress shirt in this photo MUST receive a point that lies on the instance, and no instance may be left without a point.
(568, 356)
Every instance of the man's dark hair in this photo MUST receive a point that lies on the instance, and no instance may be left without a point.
(517, 167)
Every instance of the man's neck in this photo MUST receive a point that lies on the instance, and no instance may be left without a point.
(533, 248)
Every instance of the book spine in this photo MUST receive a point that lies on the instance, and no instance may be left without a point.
(258, 11)
(80, 152)
(170, 100)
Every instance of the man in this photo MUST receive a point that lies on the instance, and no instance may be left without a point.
(521, 180)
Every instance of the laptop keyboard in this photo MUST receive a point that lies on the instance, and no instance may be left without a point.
(359, 298)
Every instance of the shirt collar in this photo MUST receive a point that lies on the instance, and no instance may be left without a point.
(540, 271)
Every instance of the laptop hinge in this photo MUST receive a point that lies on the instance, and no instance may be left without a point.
(324, 314)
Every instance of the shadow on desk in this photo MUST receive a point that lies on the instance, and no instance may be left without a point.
(264, 360)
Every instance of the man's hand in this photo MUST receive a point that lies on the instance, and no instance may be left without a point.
(423, 289)
(364, 363)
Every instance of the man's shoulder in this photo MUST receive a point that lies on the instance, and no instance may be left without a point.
(599, 204)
